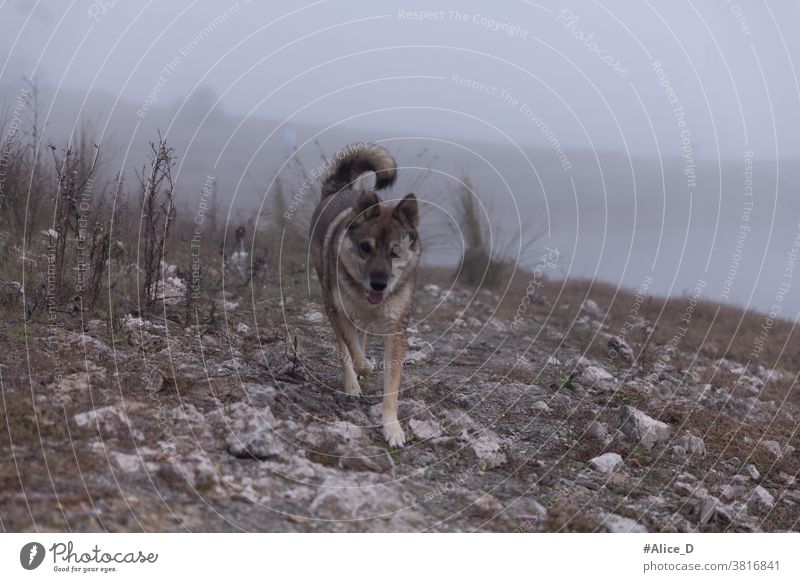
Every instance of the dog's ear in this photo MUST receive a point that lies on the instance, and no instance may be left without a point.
(366, 206)
(407, 211)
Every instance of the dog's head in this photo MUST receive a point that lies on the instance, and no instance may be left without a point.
(383, 242)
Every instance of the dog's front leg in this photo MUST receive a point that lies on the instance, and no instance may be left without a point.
(366, 366)
(349, 377)
(347, 341)
(393, 357)
(356, 340)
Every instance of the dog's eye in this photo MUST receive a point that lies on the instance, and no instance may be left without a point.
(365, 246)
(395, 252)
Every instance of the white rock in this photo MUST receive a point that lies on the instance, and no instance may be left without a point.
(762, 499)
(679, 452)
(313, 316)
(425, 429)
(356, 496)
(127, 463)
(259, 444)
(498, 325)
(614, 523)
(751, 471)
(620, 347)
(541, 406)
(693, 445)
(597, 430)
(78, 382)
(641, 428)
(243, 329)
(710, 506)
(607, 463)
(487, 448)
(194, 468)
(591, 307)
(487, 505)
(416, 357)
(108, 418)
(596, 376)
(775, 448)
(170, 290)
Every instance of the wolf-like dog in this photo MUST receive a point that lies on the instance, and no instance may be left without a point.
(365, 252)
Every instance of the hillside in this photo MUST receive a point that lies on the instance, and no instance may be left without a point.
(236, 420)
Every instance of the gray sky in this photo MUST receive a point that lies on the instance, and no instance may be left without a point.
(584, 69)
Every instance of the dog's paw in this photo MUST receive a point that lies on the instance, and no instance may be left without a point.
(351, 386)
(364, 367)
(394, 435)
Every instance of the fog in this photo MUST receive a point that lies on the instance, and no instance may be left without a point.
(650, 141)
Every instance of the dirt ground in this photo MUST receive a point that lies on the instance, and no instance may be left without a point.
(526, 421)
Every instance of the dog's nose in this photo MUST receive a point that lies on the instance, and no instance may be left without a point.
(378, 282)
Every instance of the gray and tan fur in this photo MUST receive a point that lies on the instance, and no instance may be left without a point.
(365, 252)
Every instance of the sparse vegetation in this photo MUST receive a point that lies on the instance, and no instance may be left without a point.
(159, 336)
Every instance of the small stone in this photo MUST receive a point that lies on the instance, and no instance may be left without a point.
(618, 346)
(596, 376)
(487, 505)
(751, 471)
(639, 427)
(260, 395)
(127, 463)
(313, 315)
(776, 449)
(561, 400)
(243, 329)
(591, 307)
(416, 357)
(708, 509)
(679, 452)
(109, 419)
(614, 523)
(498, 325)
(762, 499)
(727, 492)
(259, 444)
(597, 430)
(425, 429)
(541, 406)
(194, 469)
(589, 480)
(607, 463)
(372, 459)
(487, 448)
(692, 444)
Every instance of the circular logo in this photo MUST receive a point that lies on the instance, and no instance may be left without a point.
(31, 555)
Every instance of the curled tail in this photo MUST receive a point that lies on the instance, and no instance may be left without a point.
(352, 161)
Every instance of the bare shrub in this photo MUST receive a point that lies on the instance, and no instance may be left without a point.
(74, 171)
(490, 254)
(158, 215)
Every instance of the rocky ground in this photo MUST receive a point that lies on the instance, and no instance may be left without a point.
(239, 423)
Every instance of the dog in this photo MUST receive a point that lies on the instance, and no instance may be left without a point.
(365, 252)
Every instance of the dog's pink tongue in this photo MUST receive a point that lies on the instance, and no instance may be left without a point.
(374, 298)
